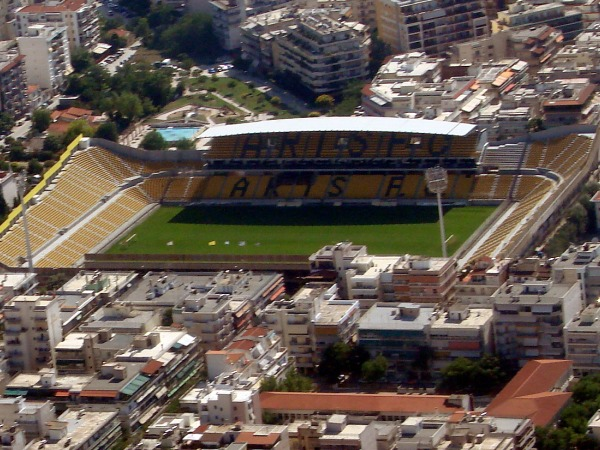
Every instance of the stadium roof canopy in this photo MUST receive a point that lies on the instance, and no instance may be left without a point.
(368, 124)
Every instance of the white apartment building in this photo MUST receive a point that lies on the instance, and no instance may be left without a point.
(33, 329)
(32, 417)
(522, 14)
(323, 53)
(580, 264)
(461, 332)
(226, 405)
(208, 317)
(582, 341)
(79, 17)
(423, 25)
(529, 318)
(83, 429)
(47, 56)
(255, 354)
(311, 320)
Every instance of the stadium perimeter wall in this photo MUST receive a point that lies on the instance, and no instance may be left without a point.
(181, 156)
(193, 262)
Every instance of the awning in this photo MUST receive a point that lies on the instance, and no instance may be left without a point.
(134, 385)
(61, 394)
(99, 394)
(15, 392)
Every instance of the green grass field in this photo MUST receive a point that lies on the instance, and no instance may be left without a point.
(300, 231)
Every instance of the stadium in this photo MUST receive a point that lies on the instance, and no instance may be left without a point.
(100, 191)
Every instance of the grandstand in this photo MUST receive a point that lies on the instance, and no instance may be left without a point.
(99, 192)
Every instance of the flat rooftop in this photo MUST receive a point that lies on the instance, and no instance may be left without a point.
(386, 316)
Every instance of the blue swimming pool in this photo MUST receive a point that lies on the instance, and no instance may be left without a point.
(177, 133)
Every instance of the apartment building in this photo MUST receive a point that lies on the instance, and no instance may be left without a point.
(461, 332)
(535, 45)
(431, 27)
(477, 282)
(399, 332)
(582, 341)
(47, 56)
(580, 263)
(83, 428)
(32, 417)
(33, 328)
(228, 404)
(322, 53)
(529, 318)
(429, 280)
(227, 19)
(212, 306)
(254, 354)
(13, 84)
(229, 16)
(7, 15)
(16, 283)
(257, 34)
(79, 17)
(310, 321)
(522, 15)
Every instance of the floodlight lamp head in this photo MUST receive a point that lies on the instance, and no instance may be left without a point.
(437, 179)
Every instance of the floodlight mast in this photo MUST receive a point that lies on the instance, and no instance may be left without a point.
(437, 182)
(21, 182)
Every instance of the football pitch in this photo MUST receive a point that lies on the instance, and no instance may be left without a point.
(265, 230)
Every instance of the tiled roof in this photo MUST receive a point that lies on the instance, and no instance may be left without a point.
(536, 376)
(530, 393)
(255, 332)
(151, 367)
(67, 5)
(541, 408)
(382, 403)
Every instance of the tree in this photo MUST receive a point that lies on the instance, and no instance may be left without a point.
(53, 143)
(40, 120)
(116, 41)
(184, 144)
(379, 51)
(34, 167)
(128, 106)
(342, 359)
(179, 89)
(6, 123)
(108, 131)
(139, 7)
(77, 127)
(167, 317)
(175, 40)
(81, 60)
(154, 141)
(464, 375)
(142, 30)
(3, 208)
(293, 382)
(275, 101)
(324, 101)
(374, 369)
(535, 124)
